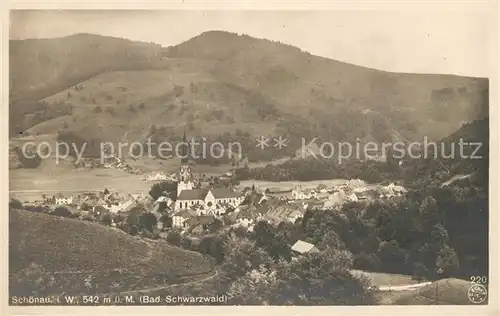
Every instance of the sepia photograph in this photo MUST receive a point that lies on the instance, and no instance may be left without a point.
(256, 158)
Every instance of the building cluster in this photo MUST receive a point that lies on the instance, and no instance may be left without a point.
(197, 205)
(113, 162)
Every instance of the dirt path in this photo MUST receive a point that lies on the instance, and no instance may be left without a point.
(395, 288)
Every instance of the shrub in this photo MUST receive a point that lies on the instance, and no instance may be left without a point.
(14, 203)
(174, 238)
(61, 211)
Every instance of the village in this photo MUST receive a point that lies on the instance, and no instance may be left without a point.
(194, 207)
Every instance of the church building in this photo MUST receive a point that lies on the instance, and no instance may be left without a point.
(205, 200)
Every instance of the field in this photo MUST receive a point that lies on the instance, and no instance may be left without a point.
(385, 279)
(449, 292)
(52, 177)
(44, 247)
(30, 184)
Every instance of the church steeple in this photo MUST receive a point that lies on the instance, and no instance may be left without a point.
(185, 176)
(184, 150)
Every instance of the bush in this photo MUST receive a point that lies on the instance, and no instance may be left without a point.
(61, 211)
(185, 243)
(174, 238)
(15, 204)
(106, 219)
(369, 262)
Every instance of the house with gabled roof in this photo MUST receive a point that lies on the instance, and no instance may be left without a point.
(299, 193)
(209, 199)
(303, 247)
(283, 212)
(204, 221)
(179, 218)
(61, 199)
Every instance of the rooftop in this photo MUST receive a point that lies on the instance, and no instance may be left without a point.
(194, 194)
(224, 193)
(185, 213)
(302, 247)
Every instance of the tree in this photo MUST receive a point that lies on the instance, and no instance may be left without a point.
(428, 210)
(392, 257)
(148, 221)
(332, 240)
(420, 272)
(242, 256)
(185, 243)
(263, 234)
(316, 279)
(97, 109)
(439, 236)
(15, 204)
(106, 191)
(162, 207)
(369, 262)
(132, 219)
(118, 218)
(166, 220)
(133, 230)
(61, 211)
(174, 238)
(106, 219)
(261, 282)
(215, 226)
(168, 187)
(289, 231)
(447, 261)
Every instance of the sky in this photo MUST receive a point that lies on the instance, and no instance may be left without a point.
(448, 42)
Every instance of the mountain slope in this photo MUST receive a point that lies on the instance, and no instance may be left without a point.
(71, 250)
(449, 161)
(301, 81)
(219, 84)
(42, 67)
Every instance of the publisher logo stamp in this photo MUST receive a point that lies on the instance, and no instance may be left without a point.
(477, 293)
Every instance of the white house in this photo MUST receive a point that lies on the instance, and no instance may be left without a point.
(179, 218)
(122, 207)
(351, 198)
(294, 216)
(64, 200)
(303, 194)
(397, 189)
(245, 219)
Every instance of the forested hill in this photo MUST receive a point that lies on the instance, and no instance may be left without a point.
(222, 84)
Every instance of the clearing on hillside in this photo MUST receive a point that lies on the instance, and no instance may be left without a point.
(51, 255)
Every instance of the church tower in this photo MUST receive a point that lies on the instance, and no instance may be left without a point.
(184, 176)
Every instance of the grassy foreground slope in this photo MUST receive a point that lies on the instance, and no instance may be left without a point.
(449, 292)
(49, 254)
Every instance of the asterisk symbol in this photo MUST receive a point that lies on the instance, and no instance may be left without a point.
(280, 142)
(262, 142)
